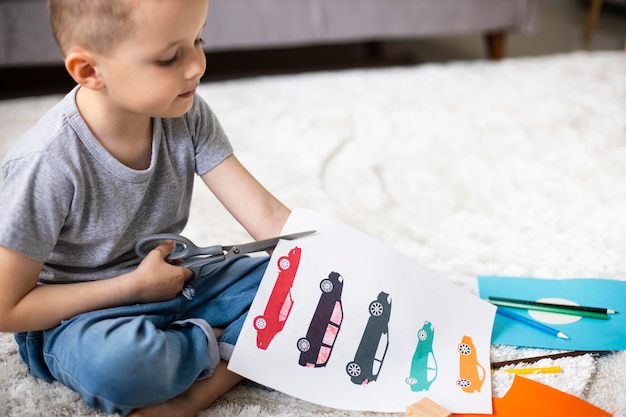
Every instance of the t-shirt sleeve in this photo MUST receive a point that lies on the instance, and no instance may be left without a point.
(210, 141)
(34, 204)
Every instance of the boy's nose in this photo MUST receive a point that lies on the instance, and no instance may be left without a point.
(196, 65)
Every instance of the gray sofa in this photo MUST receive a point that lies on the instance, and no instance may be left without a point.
(26, 40)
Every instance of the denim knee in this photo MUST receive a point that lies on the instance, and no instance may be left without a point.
(132, 363)
(30, 345)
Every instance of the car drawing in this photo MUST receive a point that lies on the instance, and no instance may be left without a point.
(370, 354)
(472, 374)
(424, 365)
(316, 347)
(280, 302)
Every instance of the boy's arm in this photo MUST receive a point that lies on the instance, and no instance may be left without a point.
(25, 305)
(255, 208)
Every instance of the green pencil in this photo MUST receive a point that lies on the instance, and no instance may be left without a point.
(548, 307)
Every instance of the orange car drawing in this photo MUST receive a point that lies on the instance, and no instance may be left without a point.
(279, 304)
(471, 373)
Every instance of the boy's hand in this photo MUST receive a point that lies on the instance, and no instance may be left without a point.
(156, 279)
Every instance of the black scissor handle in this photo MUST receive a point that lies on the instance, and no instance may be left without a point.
(196, 264)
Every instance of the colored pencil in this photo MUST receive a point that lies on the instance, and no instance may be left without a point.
(550, 309)
(530, 371)
(532, 323)
(591, 312)
(574, 307)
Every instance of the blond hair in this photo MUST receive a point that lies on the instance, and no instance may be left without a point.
(96, 25)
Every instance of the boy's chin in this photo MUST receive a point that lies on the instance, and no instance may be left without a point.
(175, 111)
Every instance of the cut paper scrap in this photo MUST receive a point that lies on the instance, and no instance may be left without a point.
(530, 398)
(359, 326)
(584, 333)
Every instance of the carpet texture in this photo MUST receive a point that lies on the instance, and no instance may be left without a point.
(471, 168)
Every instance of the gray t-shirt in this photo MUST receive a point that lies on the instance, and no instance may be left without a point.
(68, 202)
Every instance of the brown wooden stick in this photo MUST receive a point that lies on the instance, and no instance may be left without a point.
(496, 365)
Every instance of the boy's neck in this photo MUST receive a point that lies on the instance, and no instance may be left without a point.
(128, 137)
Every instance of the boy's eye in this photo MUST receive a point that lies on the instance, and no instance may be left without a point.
(166, 62)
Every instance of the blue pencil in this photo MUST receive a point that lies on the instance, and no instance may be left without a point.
(532, 323)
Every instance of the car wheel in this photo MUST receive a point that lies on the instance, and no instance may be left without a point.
(411, 380)
(465, 349)
(304, 345)
(260, 323)
(353, 369)
(422, 335)
(463, 383)
(326, 285)
(284, 263)
(376, 308)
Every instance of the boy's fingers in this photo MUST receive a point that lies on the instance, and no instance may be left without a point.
(165, 248)
(188, 274)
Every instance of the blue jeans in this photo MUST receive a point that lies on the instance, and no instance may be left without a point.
(123, 358)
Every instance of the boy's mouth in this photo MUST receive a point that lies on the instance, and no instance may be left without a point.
(187, 94)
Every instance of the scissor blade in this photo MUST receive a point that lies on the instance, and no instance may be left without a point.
(263, 245)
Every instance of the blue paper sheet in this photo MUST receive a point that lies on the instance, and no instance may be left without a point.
(585, 333)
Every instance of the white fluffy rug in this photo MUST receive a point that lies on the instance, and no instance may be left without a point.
(510, 168)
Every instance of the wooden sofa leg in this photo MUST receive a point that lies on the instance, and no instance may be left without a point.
(495, 42)
(590, 22)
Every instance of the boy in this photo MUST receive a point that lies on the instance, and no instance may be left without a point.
(111, 163)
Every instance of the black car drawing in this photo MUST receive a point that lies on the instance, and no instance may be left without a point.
(372, 349)
(316, 347)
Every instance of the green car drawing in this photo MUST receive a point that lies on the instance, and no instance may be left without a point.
(424, 365)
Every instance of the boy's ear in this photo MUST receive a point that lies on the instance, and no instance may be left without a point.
(81, 66)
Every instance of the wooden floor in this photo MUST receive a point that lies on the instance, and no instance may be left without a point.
(560, 31)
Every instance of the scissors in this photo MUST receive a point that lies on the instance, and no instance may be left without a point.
(195, 257)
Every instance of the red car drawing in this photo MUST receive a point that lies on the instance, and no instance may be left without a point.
(279, 304)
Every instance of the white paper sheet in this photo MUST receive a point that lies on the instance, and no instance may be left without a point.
(384, 331)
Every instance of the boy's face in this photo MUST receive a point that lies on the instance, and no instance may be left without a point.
(155, 71)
